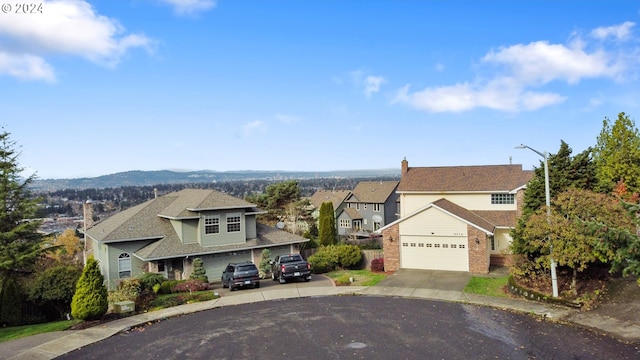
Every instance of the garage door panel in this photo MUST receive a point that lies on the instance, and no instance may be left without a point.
(434, 253)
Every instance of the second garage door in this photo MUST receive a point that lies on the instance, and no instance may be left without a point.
(434, 253)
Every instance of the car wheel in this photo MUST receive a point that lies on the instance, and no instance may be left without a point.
(257, 284)
(282, 280)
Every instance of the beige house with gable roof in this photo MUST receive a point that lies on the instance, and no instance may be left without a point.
(454, 218)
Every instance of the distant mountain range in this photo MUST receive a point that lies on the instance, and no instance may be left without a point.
(149, 178)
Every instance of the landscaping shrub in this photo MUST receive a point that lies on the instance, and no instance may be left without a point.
(199, 272)
(377, 265)
(324, 260)
(190, 286)
(348, 256)
(52, 290)
(148, 280)
(126, 290)
(265, 263)
(90, 299)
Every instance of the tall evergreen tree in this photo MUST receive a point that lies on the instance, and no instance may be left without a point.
(327, 225)
(20, 242)
(617, 154)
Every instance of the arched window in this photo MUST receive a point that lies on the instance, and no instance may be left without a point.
(124, 265)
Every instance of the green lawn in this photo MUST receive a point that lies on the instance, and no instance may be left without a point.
(15, 332)
(487, 286)
(360, 277)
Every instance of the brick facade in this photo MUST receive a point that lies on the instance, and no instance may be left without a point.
(391, 246)
(478, 251)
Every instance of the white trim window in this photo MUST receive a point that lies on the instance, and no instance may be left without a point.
(233, 222)
(211, 224)
(376, 207)
(497, 199)
(345, 223)
(124, 265)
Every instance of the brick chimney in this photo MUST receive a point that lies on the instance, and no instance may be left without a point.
(405, 166)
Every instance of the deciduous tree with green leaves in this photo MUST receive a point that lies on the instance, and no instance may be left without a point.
(617, 154)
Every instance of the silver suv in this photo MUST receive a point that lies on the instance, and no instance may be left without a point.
(237, 275)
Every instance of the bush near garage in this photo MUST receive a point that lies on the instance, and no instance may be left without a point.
(330, 257)
(377, 265)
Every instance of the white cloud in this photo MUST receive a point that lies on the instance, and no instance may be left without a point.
(250, 127)
(190, 7)
(620, 32)
(516, 73)
(69, 27)
(540, 62)
(372, 84)
(25, 67)
(286, 118)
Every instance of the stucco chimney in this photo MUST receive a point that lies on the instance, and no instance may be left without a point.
(87, 209)
(405, 166)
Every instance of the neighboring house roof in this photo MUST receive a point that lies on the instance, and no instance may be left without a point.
(149, 221)
(487, 221)
(352, 213)
(336, 197)
(373, 192)
(464, 178)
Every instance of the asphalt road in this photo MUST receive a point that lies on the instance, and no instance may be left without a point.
(356, 327)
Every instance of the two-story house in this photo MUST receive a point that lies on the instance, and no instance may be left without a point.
(454, 218)
(370, 206)
(165, 234)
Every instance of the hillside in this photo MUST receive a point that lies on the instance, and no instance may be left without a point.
(150, 178)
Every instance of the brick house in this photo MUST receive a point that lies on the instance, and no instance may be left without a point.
(454, 218)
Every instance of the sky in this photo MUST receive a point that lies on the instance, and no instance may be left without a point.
(90, 88)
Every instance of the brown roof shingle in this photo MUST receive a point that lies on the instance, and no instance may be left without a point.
(373, 192)
(464, 178)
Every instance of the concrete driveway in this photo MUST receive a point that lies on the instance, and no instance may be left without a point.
(427, 279)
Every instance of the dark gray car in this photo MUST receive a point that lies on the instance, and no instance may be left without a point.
(237, 275)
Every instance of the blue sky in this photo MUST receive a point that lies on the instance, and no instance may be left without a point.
(89, 88)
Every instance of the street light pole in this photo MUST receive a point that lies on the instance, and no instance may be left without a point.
(545, 156)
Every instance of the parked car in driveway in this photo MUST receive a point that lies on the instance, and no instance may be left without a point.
(291, 266)
(238, 275)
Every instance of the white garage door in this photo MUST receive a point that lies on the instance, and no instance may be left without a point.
(434, 253)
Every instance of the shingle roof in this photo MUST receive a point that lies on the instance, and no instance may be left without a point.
(353, 214)
(464, 178)
(201, 199)
(465, 214)
(373, 192)
(171, 246)
(336, 197)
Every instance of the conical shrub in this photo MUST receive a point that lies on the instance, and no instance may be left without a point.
(90, 299)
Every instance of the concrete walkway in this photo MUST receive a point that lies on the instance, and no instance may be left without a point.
(53, 345)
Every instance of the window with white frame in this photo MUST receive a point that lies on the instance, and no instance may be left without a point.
(358, 206)
(345, 223)
(233, 223)
(357, 224)
(376, 207)
(497, 199)
(212, 224)
(124, 265)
